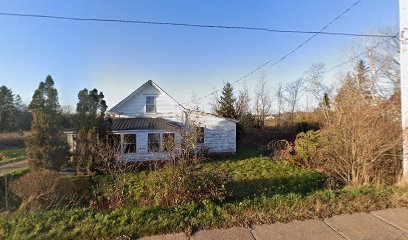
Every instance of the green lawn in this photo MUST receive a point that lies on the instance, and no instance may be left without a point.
(13, 154)
(261, 191)
(262, 177)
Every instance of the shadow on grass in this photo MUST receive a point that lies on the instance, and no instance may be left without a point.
(247, 189)
(245, 152)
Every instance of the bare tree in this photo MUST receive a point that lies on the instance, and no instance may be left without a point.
(111, 159)
(362, 144)
(194, 101)
(382, 59)
(292, 93)
(262, 100)
(279, 102)
(214, 101)
(314, 84)
(242, 104)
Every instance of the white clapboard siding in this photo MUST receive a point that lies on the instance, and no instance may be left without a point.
(219, 133)
(142, 153)
(135, 106)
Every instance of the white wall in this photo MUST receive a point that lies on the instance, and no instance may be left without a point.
(136, 106)
(219, 133)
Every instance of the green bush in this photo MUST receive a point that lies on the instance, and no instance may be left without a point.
(306, 148)
(175, 185)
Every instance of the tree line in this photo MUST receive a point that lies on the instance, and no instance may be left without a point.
(14, 114)
(46, 144)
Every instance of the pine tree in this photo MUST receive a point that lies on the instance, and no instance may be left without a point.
(363, 82)
(46, 148)
(227, 102)
(7, 109)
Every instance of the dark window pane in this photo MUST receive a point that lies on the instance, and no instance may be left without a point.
(129, 143)
(129, 138)
(130, 148)
(154, 142)
(114, 139)
(150, 104)
(150, 100)
(150, 108)
(200, 134)
(168, 142)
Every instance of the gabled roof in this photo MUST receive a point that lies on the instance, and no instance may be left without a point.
(148, 83)
(151, 83)
(119, 124)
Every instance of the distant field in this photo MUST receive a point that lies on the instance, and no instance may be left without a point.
(10, 139)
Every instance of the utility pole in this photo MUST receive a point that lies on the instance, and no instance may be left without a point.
(404, 83)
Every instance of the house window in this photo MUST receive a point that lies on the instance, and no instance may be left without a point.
(168, 142)
(200, 134)
(129, 143)
(154, 142)
(150, 104)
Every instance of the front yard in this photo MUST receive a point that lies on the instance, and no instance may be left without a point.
(260, 191)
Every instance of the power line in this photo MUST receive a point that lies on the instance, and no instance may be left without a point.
(286, 55)
(362, 53)
(188, 25)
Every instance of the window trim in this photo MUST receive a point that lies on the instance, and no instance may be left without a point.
(154, 104)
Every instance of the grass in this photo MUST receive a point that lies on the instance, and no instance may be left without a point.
(262, 177)
(135, 222)
(261, 191)
(12, 154)
(16, 172)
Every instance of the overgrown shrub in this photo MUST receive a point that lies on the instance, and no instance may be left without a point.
(8, 200)
(277, 149)
(306, 149)
(49, 189)
(175, 185)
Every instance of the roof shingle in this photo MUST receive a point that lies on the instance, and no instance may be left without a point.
(119, 124)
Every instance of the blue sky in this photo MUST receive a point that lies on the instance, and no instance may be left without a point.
(118, 58)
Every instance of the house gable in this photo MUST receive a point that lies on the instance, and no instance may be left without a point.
(134, 105)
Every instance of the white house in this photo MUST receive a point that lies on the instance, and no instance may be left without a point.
(149, 117)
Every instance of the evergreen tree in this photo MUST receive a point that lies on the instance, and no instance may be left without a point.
(90, 109)
(90, 117)
(46, 148)
(7, 109)
(227, 102)
(363, 82)
(325, 104)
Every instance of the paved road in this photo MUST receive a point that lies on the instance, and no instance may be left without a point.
(13, 165)
(386, 224)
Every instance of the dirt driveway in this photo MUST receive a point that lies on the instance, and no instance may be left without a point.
(12, 166)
